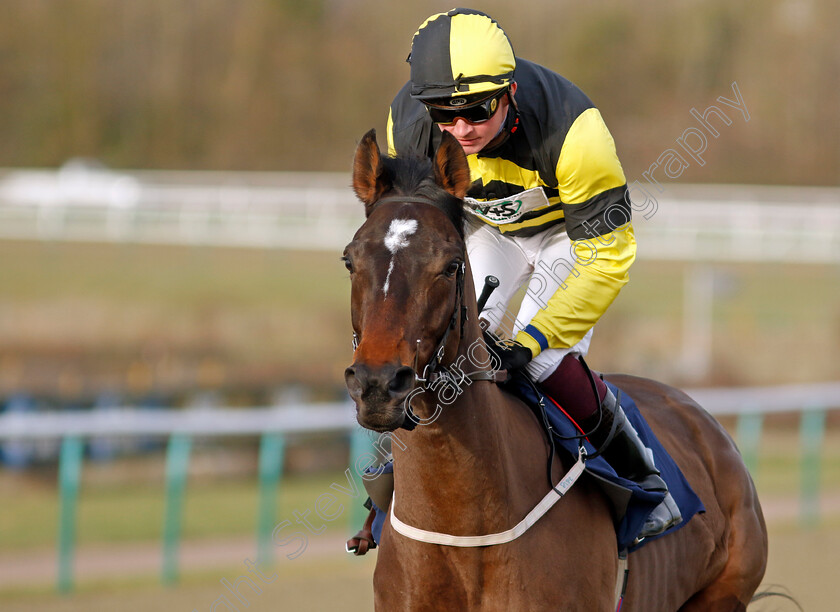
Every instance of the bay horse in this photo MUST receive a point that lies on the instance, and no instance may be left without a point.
(478, 464)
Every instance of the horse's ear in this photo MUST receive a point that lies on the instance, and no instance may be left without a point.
(452, 172)
(369, 181)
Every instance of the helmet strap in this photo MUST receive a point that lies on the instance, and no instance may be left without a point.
(508, 127)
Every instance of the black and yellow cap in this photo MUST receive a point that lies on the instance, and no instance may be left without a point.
(460, 56)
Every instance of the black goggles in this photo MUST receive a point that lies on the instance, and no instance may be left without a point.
(477, 113)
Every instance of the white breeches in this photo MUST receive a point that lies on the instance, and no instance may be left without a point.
(542, 262)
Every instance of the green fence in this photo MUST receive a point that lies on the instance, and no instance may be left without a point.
(811, 436)
(272, 446)
(273, 429)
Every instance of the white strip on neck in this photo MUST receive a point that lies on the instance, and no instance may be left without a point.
(431, 537)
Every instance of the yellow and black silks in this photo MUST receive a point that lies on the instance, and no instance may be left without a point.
(562, 146)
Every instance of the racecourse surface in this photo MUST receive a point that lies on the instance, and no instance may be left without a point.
(122, 578)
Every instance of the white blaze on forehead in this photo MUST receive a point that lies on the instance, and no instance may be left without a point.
(398, 233)
(396, 239)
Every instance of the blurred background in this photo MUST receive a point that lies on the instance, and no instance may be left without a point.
(174, 198)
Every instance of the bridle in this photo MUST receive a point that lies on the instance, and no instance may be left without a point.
(434, 370)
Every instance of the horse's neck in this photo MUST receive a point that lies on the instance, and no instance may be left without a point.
(471, 470)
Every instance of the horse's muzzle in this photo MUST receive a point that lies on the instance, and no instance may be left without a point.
(379, 393)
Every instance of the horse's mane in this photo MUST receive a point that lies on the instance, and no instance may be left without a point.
(414, 176)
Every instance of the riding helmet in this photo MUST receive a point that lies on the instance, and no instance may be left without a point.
(460, 57)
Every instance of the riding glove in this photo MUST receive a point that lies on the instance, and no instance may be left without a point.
(510, 354)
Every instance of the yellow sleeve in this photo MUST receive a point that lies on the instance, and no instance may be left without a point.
(588, 164)
(602, 268)
(592, 190)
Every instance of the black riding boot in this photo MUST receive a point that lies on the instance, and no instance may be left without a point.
(631, 459)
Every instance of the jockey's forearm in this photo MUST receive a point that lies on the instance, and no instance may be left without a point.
(601, 270)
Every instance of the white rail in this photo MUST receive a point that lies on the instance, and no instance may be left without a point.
(768, 400)
(319, 211)
(340, 416)
(132, 422)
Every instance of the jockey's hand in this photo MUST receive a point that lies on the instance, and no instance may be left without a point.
(510, 354)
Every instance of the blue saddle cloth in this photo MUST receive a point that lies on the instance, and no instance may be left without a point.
(630, 503)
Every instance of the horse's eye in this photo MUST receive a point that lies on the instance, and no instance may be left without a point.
(452, 268)
(347, 263)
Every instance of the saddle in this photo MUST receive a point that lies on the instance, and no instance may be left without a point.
(630, 504)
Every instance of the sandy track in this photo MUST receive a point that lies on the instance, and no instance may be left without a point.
(104, 561)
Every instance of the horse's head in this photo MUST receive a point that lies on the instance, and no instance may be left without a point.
(407, 269)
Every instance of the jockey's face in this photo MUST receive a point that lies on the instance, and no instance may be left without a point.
(473, 137)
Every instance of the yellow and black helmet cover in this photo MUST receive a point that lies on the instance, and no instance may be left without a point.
(460, 57)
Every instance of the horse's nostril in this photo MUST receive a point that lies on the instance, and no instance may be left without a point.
(402, 381)
(355, 380)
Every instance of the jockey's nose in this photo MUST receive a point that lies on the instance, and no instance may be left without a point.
(461, 127)
(389, 380)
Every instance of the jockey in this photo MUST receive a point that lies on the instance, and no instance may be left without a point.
(548, 211)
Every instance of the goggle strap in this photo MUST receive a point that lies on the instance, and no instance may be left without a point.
(499, 79)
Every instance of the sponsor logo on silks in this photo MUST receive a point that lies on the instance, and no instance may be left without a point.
(509, 210)
(500, 212)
